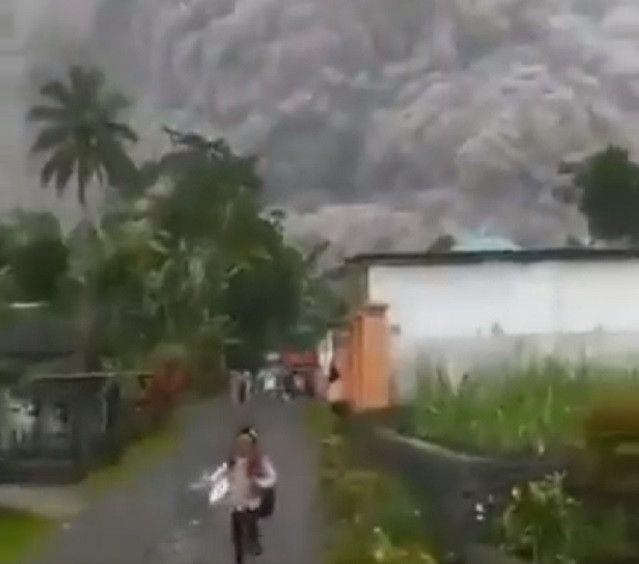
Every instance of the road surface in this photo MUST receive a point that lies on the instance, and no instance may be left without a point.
(156, 519)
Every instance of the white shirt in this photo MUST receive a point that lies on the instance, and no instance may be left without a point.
(243, 491)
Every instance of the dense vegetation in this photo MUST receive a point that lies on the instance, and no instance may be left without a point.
(539, 408)
(371, 516)
(184, 250)
(606, 186)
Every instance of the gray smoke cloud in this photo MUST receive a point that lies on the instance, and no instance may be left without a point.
(381, 123)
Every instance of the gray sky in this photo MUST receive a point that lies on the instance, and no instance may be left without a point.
(403, 118)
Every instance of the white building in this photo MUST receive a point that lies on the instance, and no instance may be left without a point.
(465, 310)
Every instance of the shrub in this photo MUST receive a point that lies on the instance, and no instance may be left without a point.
(545, 524)
(371, 516)
(534, 409)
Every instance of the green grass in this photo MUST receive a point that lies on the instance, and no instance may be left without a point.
(20, 533)
(370, 516)
(319, 419)
(538, 408)
(139, 457)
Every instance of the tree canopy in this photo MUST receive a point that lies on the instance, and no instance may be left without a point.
(608, 184)
(190, 253)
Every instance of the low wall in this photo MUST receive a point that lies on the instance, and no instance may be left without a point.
(457, 356)
(448, 484)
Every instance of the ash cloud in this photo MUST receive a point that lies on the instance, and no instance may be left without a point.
(381, 123)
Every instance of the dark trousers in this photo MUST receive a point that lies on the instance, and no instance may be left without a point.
(244, 532)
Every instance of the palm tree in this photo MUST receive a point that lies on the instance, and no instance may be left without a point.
(80, 133)
(81, 136)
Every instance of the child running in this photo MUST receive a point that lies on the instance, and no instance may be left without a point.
(251, 481)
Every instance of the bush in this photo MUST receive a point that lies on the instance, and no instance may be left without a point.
(544, 524)
(535, 409)
(371, 516)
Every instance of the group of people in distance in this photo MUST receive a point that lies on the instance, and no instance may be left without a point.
(274, 381)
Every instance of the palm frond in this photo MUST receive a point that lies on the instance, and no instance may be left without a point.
(49, 138)
(58, 169)
(47, 114)
(122, 131)
(114, 103)
(56, 91)
(120, 171)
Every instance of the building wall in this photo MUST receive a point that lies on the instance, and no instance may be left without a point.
(459, 317)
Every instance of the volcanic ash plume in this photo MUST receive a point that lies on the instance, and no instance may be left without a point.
(426, 115)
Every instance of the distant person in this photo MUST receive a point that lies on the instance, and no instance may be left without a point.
(270, 382)
(239, 386)
(335, 393)
(289, 384)
(251, 478)
(248, 383)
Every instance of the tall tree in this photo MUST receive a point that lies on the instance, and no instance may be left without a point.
(608, 183)
(81, 133)
(191, 150)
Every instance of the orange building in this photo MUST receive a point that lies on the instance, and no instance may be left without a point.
(360, 350)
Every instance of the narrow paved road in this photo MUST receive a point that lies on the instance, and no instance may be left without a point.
(158, 520)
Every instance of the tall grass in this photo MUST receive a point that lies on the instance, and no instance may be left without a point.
(535, 408)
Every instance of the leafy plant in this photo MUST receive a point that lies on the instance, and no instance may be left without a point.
(372, 517)
(536, 408)
(543, 522)
(540, 522)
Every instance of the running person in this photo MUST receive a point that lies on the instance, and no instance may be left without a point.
(250, 474)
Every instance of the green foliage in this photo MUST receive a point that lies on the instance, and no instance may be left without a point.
(80, 132)
(536, 408)
(35, 256)
(184, 250)
(371, 516)
(544, 523)
(21, 534)
(609, 185)
(539, 522)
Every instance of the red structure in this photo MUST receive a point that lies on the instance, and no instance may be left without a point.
(301, 361)
(304, 364)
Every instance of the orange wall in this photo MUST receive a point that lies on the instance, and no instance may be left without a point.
(363, 358)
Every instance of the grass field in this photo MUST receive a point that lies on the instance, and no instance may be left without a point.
(20, 533)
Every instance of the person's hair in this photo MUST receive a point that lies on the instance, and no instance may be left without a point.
(249, 431)
(255, 458)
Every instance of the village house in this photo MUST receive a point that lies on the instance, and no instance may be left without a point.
(482, 306)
